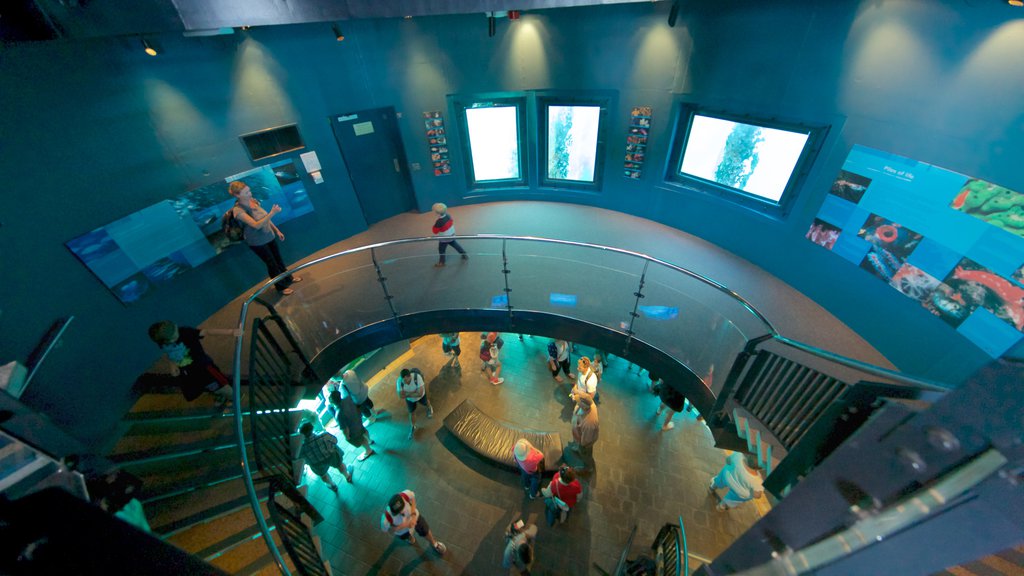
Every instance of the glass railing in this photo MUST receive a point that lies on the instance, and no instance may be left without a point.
(695, 320)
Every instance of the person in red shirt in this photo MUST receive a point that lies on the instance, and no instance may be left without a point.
(531, 466)
(561, 495)
(444, 227)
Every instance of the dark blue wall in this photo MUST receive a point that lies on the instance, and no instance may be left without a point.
(94, 130)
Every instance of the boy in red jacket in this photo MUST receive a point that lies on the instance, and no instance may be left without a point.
(444, 227)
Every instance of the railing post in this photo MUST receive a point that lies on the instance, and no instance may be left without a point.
(636, 306)
(384, 286)
(508, 291)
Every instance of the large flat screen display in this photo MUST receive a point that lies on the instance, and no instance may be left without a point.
(746, 158)
(494, 142)
(572, 142)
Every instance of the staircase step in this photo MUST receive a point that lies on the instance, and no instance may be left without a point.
(251, 556)
(214, 535)
(176, 451)
(189, 413)
(176, 513)
(161, 436)
(169, 476)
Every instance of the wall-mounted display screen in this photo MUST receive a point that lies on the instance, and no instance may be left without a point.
(494, 142)
(572, 142)
(952, 243)
(748, 158)
(158, 243)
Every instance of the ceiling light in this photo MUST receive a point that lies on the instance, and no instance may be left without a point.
(337, 33)
(1015, 2)
(148, 48)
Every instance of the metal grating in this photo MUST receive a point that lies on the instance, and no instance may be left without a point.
(786, 397)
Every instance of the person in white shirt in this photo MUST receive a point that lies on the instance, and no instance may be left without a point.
(401, 517)
(740, 476)
(586, 381)
(411, 388)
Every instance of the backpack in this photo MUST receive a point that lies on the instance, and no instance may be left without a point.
(552, 350)
(233, 229)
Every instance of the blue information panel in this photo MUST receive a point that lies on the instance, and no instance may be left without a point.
(953, 243)
(158, 243)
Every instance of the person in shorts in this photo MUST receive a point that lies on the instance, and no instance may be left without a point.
(413, 389)
(401, 518)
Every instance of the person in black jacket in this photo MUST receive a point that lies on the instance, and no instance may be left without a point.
(192, 368)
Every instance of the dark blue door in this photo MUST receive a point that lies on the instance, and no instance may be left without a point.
(372, 148)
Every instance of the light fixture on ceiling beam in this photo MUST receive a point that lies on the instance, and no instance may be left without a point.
(337, 32)
(491, 24)
(148, 48)
(1017, 3)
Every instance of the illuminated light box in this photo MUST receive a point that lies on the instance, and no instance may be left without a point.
(499, 301)
(568, 300)
(494, 142)
(572, 142)
(749, 158)
(660, 312)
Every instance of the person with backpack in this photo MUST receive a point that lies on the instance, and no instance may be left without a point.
(413, 389)
(489, 350)
(260, 234)
(558, 352)
(401, 518)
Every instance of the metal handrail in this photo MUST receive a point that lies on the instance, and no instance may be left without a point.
(772, 334)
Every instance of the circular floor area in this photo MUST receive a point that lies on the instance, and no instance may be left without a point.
(640, 476)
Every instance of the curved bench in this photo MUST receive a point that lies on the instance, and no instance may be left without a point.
(494, 439)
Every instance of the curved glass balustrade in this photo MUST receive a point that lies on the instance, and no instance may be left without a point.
(696, 321)
(701, 324)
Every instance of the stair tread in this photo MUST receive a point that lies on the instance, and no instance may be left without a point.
(250, 557)
(215, 534)
(168, 476)
(177, 512)
(153, 436)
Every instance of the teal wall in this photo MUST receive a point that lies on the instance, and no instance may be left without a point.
(94, 130)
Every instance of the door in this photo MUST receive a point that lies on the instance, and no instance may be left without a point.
(372, 148)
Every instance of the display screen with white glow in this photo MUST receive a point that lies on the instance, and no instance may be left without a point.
(494, 142)
(572, 142)
(748, 158)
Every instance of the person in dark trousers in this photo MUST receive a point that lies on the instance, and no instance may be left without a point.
(192, 368)
(444, 227)
(401, 518)
(260, 233)
(351, 424)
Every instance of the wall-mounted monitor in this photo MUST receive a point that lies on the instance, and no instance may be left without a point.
(756, 162)
(493, 133)
(572, 140)
(272, 141)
